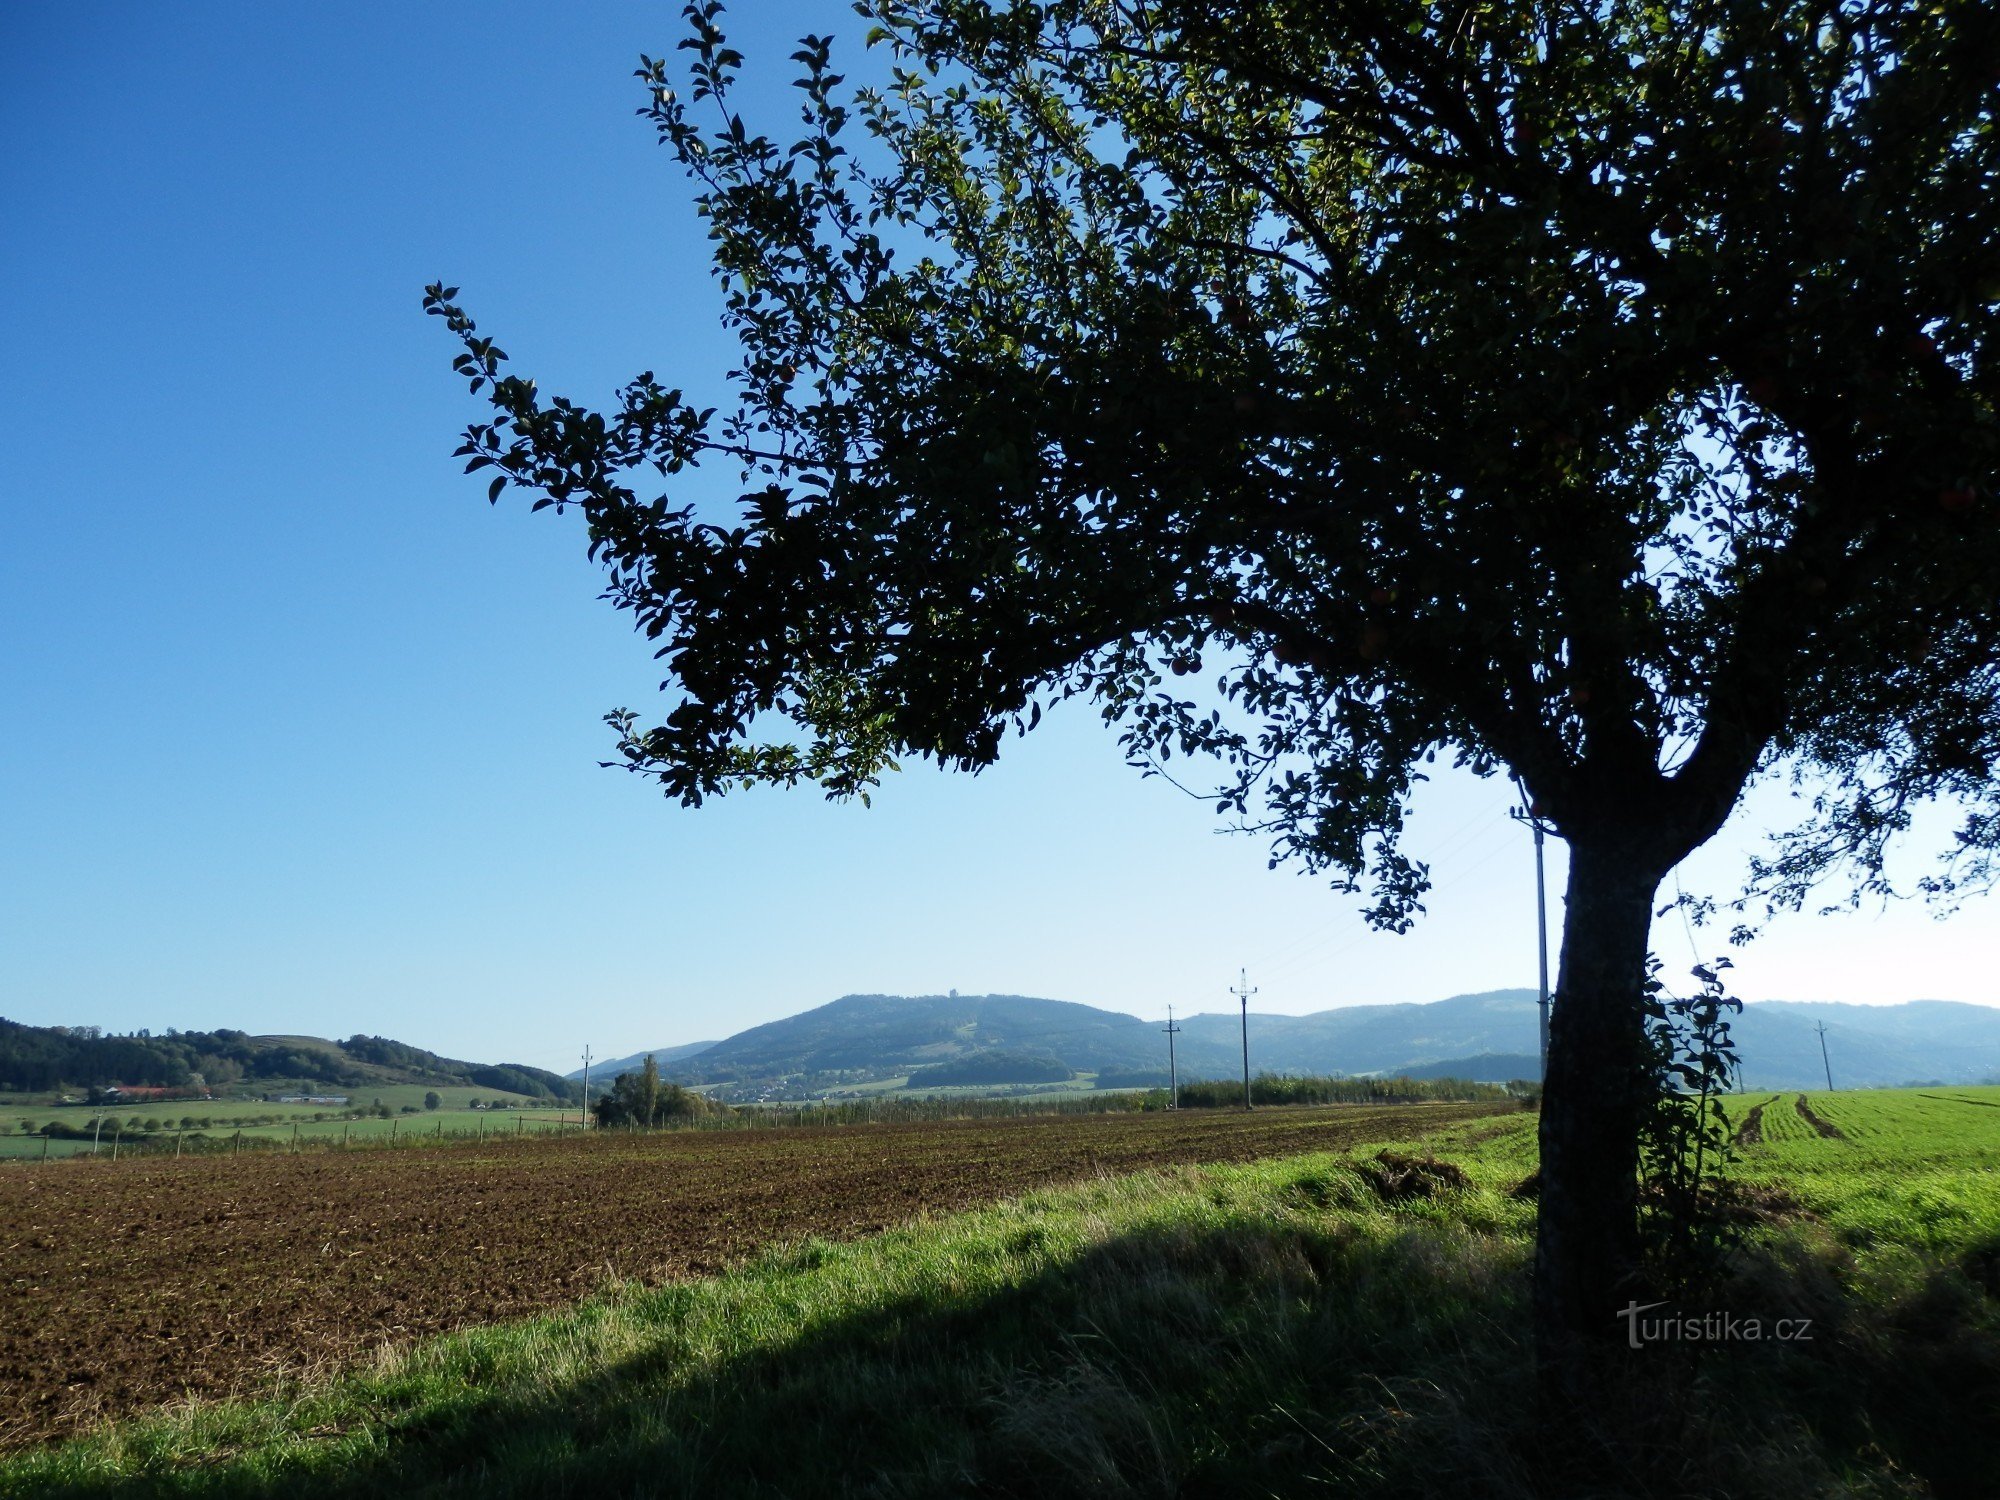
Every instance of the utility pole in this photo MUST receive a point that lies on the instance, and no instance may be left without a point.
(1820, 1027)
(1173, 1067)
(584, 1123)
(1243, 992)
(1526, 813)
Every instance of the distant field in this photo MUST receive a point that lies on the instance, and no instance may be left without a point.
(226, 1116)
(1083, 1083)
(280, 1261)
(1911, 1167)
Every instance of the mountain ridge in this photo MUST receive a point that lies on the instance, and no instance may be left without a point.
(869, 1037)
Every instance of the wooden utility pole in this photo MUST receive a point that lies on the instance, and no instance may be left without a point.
(586, 1086)
(1243, 992)
(1526, 813)
(1820, 1027)
(1173, 1067)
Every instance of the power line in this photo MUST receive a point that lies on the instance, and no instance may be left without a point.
(1680, 900)
(1467, 833)
(1319, 952)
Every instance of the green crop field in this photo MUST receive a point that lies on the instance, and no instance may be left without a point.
(1910, 1168)
(1339, 1322)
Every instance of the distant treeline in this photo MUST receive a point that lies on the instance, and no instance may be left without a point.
(1126, 1078)
(892, 1108)
(993, 1065)
(47, 1058)
(1274, 1088)
(512, 1078)
(1266, 1089)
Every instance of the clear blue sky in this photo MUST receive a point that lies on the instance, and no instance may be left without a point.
(299, 735)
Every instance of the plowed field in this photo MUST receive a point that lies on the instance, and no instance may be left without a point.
(132, 1283)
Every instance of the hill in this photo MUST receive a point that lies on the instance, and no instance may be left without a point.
(1490, 1036)
(606, 1071)
(1919, 1041)
(862, 1037)
(39, 1058)
(1371, 1038)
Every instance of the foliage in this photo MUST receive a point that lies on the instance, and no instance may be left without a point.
(514, 1078)
(1600, 392)
(1685, 1144)
(994, 1065)
(1284, 1089)
(1603, 393)
(643, 1100)
(49, 1057)
(39, 1058)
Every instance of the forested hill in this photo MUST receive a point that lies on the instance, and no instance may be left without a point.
(1489, 1036)
(35, 1058)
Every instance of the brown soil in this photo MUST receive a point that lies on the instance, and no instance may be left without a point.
(1827, 1129)
(138, 1282)
(1751, 1131)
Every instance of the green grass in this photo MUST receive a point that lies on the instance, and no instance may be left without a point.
(1913, 1169)
(226, 1113)
(1279, 1328)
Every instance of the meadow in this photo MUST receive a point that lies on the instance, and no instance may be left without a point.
(154, 1124)
(1342, 1315)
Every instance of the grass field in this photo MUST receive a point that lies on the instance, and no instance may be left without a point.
(1904, 1169)
(314, 1121)
(1320, 1323)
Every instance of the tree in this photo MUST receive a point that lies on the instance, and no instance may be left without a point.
(432, 1099)
(644, 1100)
(1600, 394)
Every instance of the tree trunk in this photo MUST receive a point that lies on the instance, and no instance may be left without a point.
(1593, 1100)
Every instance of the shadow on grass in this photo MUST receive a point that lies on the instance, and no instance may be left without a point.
(1300, 1353)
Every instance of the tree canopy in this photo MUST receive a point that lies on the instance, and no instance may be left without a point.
(1602, 393)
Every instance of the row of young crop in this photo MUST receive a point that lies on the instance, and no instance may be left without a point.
(1887, 1125)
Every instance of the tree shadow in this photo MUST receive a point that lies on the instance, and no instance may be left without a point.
(1291, 1355)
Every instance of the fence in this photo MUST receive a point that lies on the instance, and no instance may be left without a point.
(292, 1138)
